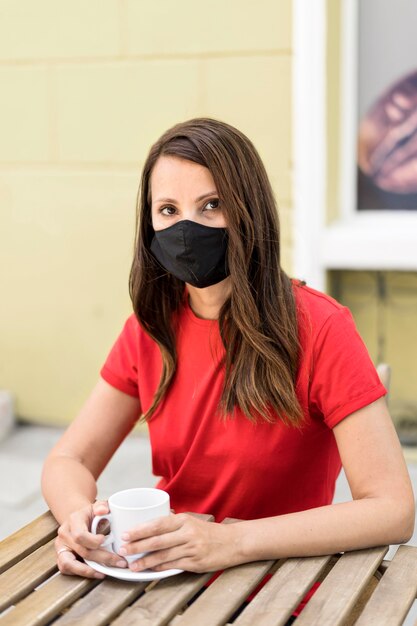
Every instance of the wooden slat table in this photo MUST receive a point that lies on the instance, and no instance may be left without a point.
(356, 588)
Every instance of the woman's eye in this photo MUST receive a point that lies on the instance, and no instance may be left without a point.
(167, 210)
(212, 204)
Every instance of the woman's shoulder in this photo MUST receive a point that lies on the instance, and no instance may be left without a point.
(313, 305)
(132, 330)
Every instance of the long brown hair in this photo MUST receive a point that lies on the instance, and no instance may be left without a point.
(258, 322)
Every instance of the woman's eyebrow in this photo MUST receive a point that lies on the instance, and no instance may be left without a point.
(205, 195)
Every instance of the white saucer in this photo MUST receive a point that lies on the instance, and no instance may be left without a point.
(127, 574)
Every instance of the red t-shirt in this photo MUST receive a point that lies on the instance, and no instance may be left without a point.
(233, 467)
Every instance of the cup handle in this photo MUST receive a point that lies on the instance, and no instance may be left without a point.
(96, 520)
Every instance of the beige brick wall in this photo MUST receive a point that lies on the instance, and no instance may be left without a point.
(384, 305)
(86, 88)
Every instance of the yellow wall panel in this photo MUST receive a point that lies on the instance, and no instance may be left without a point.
(285, 218)
(114, 112)
(333, 60)
(286, 223)
(187, 27)
(88, 87)
(358, 291)
(287, 257)
(401, 341)
(51, 29)
(254, 94)
(384, 305)
(24, 114)
(67, 245)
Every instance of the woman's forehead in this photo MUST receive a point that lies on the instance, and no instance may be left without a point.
(172, 174)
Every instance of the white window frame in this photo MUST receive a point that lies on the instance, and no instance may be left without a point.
(358, 240)
(309, 133)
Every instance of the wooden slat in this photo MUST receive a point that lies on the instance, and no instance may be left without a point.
(275, 602)
(165, 598)
(225, 595)
(362, 600)
(334, 600)
(27, 539)
(381, 571)
(395, 593)
(163, 601)
(23, 577)
(104, 603)
(41, 606)
(384, 566)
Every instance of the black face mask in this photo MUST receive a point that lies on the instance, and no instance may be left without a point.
(192, 252)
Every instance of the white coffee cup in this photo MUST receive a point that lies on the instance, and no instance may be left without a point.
(129, 508)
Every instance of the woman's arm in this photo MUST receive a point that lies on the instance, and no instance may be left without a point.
(73, 465)
(381, 513)
(71, 470)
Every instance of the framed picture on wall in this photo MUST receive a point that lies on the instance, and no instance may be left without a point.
(386, 136)
(370, 222)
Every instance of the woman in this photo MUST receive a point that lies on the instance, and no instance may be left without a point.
(255, 387)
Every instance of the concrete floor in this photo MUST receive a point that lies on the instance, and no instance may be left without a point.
(21, 458)
(23, 451)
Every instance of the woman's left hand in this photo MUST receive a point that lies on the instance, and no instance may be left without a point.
(182, 541)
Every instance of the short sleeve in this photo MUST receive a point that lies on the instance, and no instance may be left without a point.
(121, 366)
(343, 377)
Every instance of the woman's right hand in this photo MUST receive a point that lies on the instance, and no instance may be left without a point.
(75, 535)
